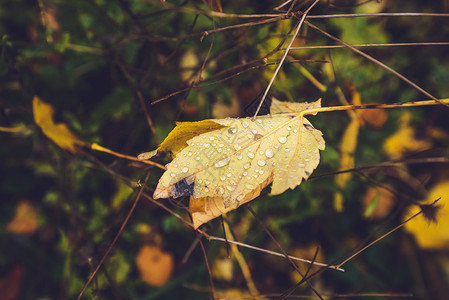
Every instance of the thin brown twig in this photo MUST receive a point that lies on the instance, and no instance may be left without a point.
(378, 15)
(207, 32)
(214, 238)
(386, 164)
(158, 203)
(381, 64)
(217, 14)
(384, 235)
(147, 115)
(328, 16)
(242, 263)
(208, 270)
(301, 21)
(190, 250)
(141, 99)
(370, 45)
(204, 84)
(114, 241)
(281, 248)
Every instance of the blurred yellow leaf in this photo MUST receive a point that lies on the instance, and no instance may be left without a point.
(155, 265)
(189, 62)
(223, 169)
(57, 132)
(221, 110)
(404, 140)
(306, 252)
(235, 294)
(223, 267)
(375, 118)
(348, 146)
(123, 191)
(432, 235)
(25, 219)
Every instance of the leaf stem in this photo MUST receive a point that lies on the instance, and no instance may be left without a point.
(374, 106)
(97, 147)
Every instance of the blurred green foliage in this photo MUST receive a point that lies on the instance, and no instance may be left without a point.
(92, 59)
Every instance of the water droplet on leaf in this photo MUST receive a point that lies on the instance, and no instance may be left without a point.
(269, 153)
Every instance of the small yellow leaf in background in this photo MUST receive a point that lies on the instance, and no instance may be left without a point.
(223, 266)
(432, 235)
(25, 219)
(375, 118)
(224, 163)
(57, 132)
(404, 140)
(155, 265)
(348, 146)
(189, 62)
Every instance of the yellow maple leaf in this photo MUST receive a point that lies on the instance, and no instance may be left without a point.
(432, 235)
(57, 132)
(229, 164)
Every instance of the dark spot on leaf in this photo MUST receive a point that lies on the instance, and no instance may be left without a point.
(257, 136)
(308, 126)
(182, 188)
(307, 173)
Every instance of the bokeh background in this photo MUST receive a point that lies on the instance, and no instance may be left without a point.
(120, 74)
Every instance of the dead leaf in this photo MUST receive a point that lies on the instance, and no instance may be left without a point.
(155, 265)
(224, 163)
(432, 235)
(404, 140)
(25, 219)
(57, 132)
